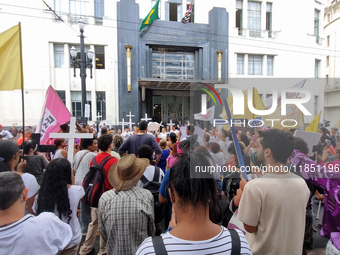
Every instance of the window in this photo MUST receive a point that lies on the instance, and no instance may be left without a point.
(270, 65)
(76, 103)
(100, 57)
(173, 10)
(77, 46)
(101, 104)
(327, 61)
(316, 25)
(327, 79)
(239, 16)
(57, 8)
(58, 55)
(254, 19)
(328, 18)
(240, 64)
(317, 68)
(269, 19)
(328, 40)
(316, 105)
(61, 94)
(99, 11)
(173, 63)
(78, 10)
(255, 65)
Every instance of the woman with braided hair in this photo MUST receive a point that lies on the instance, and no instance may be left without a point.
(59, 195)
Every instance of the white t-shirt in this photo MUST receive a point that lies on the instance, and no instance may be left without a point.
(149, 174)
(224, 147)
(176, 131)
(57, 154)
(75, 193)
(218, 161)
(6, 135)
(43, 234)
(220, 244)
(162, 135)
(276, 204)
(84, 166)
(30, 182)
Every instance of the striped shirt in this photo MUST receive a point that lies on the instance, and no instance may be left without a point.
(220, 244)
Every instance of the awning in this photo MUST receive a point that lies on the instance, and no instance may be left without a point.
(174, 84)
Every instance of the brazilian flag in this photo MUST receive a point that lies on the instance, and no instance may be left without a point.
(151, 17)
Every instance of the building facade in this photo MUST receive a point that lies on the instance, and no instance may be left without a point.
(332, 70)
(230, 42)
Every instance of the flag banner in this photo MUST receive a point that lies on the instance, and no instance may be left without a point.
(236, 142)
(54, 113)
(292, 119)
(209, 116)
(151, 17)
(314, 125)
(268, 102)
(257, 103)
(187, 15)
(10, 59)
(337, 124)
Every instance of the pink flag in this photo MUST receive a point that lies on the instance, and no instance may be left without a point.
(54, 113)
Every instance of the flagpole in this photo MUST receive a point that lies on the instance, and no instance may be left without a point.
(22, 88)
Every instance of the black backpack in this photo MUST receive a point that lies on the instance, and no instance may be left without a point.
(93, 182)
(154, 185)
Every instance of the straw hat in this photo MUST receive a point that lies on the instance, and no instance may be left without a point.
(127, 171)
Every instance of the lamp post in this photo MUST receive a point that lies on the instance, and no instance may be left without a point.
(82, 64)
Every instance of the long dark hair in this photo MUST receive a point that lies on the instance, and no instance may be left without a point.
(193, 191)
(8, 149)
(53, 193)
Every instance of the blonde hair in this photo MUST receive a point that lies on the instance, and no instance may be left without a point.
(162, 144)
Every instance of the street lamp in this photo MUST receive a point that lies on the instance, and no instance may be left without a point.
(82, 64)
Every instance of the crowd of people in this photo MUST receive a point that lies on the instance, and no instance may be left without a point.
(152, 200)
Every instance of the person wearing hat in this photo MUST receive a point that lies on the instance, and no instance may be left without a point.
(4, 134)
(126, 213)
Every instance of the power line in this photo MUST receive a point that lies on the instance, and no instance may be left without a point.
(236, 37)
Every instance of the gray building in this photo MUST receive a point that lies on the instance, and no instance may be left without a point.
(167, 62)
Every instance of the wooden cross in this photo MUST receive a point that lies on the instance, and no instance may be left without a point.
(146, 117)
(71, 136)
(130, 120)
(171, 124)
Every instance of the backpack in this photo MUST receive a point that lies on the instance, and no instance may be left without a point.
(93, 182)
(154, 185)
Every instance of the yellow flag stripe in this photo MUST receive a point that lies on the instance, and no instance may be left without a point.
(148, 19)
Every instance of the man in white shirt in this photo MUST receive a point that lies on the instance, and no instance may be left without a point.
(5, 135)
(224, 144)
(19, 234)
(273, 207)
(190, 131)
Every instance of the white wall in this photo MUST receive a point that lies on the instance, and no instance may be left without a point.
(39, 32)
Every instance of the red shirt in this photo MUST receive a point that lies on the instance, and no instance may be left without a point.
(99, 158)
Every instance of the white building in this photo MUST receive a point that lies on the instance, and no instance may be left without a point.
(267, 39)
(332, 62)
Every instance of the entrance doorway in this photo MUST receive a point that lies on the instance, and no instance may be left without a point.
(175, 108)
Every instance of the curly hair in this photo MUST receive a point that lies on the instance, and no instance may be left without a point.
(53, 193)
